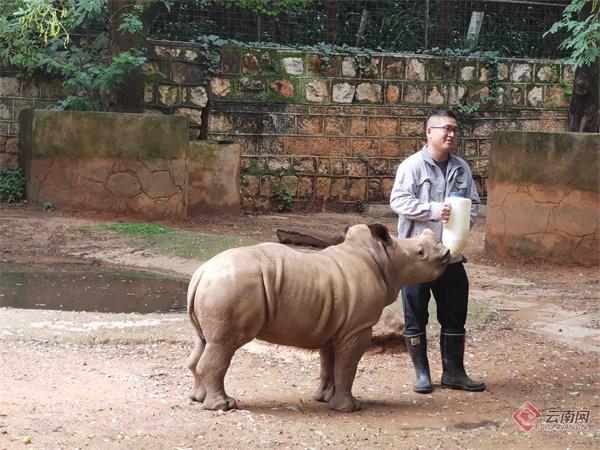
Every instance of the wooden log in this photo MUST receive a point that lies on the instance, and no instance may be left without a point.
(309, 237)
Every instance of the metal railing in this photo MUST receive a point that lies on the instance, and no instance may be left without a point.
(513, 28)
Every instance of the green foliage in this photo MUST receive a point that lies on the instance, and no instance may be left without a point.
(131, 22)
(271, 8)
(568, 90)
(37, 37)
(583, 33)
(492, 65)
(284, 196)
(468, 108)
(392, 25)
(89, 84)
(209, 53)
(48, 206)
(325, 52)
(12, 184)
(42, 17)
(361, 57)
(291, 170)
(255, 168)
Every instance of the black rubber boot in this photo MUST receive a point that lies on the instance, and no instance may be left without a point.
(417, 349)
(452, 346)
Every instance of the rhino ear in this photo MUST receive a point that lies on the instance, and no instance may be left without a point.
(380, 232)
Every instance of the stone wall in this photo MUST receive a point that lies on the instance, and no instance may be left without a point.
(333, 132)
(544, 197)
(15, 96)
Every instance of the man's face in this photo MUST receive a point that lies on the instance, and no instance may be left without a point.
(442, 133)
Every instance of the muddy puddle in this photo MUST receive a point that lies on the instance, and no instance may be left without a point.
(88, 288)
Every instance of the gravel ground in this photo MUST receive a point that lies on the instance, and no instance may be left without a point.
(101, 380)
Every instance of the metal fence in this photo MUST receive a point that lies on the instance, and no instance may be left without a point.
(513, 28)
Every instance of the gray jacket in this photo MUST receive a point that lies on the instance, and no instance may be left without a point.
(420, 189)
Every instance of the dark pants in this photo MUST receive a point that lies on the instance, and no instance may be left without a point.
(451, 293)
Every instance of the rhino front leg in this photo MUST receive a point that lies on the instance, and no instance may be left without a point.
(199, 391)
(346, 358)
(212, 368)
(326, 387)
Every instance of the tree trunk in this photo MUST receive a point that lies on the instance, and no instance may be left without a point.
(129, 95)
(444, 24)
(426, 26)
(332, 21)
(584, 115)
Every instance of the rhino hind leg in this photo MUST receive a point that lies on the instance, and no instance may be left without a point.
(346, 358)
(211, 368)
(326, 387)
(199, 391)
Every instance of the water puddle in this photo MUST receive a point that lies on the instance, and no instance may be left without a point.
(88, 288)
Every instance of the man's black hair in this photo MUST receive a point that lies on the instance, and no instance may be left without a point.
(443, 113)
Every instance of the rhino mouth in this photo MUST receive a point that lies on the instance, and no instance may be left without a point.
(446, 257)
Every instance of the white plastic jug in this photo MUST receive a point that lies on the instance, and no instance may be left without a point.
(456, 231)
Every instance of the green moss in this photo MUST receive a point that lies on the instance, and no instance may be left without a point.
(73, 135)
(523, 247)
(324, 64)
(551, 159)
(442, 69)
(275, 68)
(205, 150)
(265, 96)
(231, 60)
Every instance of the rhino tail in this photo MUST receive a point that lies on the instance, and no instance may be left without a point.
(191, 297)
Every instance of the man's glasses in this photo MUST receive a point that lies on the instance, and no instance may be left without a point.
(449, 129)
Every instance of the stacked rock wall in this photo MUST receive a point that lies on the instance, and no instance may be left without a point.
(331, 130)
(16, 95)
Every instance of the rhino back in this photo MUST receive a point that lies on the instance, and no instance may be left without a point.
(316, 297)
(287, 297)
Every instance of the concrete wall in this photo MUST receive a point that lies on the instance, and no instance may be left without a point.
(127, 164)
(214, 178)
(544, 197)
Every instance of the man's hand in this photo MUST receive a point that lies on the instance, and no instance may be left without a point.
(445, 212)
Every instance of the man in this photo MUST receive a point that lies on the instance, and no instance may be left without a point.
(422, 183)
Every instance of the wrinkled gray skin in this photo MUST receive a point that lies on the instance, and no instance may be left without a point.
(328, 300)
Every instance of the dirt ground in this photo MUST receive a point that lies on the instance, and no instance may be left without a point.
(104, 381)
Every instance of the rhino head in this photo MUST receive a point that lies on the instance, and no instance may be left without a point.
(404, 261)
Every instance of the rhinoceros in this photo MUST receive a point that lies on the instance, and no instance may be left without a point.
(327, 300)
